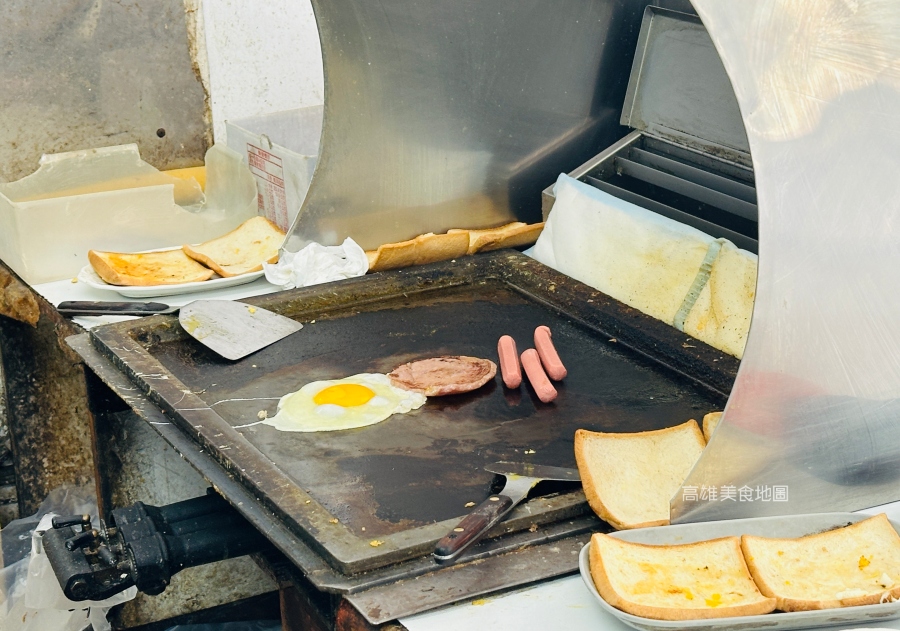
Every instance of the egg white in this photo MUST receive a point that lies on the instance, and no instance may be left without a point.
(298, 412)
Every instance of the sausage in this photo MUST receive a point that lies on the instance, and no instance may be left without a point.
(509, 362)
(549, 357)
(531, 362)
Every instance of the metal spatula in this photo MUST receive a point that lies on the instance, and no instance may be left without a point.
(520, 478)
(231, 329)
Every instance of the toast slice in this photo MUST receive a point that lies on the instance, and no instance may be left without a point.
(512, 235)
(710, 423)
(425, 248)
(854, 565)
(629, 478)
(171, 267)
(241, 251)
(708, 579)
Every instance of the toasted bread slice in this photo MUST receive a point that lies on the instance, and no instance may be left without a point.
(171, 267)
(854, 565)
(512, 235)
(426, 248)
(708, 579)
(629, 478)
(392, 256)
(710, 423)
(241, 251)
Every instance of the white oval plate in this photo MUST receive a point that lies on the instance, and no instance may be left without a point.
(783, 526)
(89, 277)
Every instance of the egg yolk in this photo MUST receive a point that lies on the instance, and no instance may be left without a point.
(346, 395)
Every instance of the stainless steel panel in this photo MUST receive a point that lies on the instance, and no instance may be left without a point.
(815, 410)
(679, 89)
(446, 115)
(78, 74)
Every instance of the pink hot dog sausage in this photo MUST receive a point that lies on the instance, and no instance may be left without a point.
(549, 357)
(531, 362)
(509, 362)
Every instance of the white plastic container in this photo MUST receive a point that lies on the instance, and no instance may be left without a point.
(281, 150)
(110, 199)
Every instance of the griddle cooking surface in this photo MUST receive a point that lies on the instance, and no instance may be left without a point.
(424, 466)
(399, 477)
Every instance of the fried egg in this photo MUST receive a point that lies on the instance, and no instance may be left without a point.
(356, 401)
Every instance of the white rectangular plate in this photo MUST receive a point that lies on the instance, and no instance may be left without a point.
(89, 277)
(782, 526)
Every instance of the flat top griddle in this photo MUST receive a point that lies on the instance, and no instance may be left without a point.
(403, 482)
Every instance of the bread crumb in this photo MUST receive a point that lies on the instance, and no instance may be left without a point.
(262, 415)
(529, 451)
(470, 504)
(375, 543)
(74, 280)
(333, 520)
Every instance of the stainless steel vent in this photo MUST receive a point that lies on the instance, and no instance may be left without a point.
(687, 157)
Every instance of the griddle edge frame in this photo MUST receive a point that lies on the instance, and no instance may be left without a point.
(650, 338)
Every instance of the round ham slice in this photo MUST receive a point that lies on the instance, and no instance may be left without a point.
(439, 376)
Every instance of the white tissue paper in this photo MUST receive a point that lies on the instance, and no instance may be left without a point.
(316, 264)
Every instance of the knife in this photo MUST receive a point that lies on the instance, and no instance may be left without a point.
(521, 477)
(91, 308)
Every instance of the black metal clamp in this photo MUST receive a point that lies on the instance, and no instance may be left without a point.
(145, 545)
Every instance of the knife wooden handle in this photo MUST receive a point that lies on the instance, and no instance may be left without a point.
(86, 307)
(470, 529)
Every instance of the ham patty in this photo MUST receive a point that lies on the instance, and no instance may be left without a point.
(438, 376)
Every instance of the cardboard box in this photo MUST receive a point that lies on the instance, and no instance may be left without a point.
(281, 150)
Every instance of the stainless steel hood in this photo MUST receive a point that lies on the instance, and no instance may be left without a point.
(446, 115)
(813, 422)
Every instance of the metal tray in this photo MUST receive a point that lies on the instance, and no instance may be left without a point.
(404, 482)
(782, 526)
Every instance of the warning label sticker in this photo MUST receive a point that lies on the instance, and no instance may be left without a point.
(269, 172)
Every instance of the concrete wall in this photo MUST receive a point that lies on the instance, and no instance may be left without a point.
(262, 56)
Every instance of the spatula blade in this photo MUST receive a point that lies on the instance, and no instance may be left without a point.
(526, 469)
(234, 329)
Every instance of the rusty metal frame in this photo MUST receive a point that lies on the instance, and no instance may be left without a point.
(49, 421)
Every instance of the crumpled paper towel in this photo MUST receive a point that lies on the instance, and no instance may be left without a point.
(316, 264)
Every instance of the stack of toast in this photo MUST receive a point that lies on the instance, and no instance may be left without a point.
(241, 251)
(431, 248)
